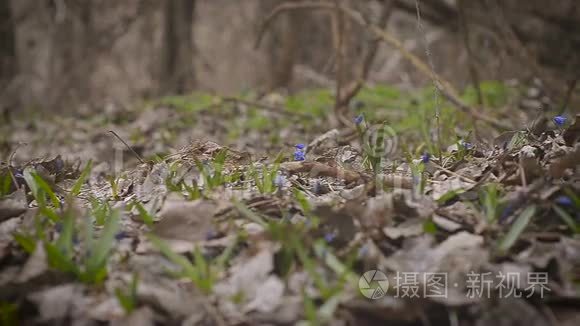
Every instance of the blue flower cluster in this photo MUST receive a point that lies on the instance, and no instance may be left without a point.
(425, 157)
(279, 180)
(359, 119)
(465, 144)
(559, 120)
(299, 154)
(564, 201)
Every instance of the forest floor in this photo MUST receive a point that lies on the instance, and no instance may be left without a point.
(233, 211)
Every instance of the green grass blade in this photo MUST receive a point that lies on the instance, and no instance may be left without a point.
(144, 214)
(102, 247)
(175, 258)
(76, 189)
(569, 220)
(65, 240)
(46, 189)
(249, 214)
(28, 243)
(517, 228)
(58, 260)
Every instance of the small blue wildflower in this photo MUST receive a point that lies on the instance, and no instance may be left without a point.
(317, 188)
(121, 235)
(329, 237)
(299, 155)
(425, 157)
(506, 212)
(210, 234)
(466, 145)
(363, 251)
(559, 120)
(359, 119)
(564, 201)
(279, 180)
(300, 146)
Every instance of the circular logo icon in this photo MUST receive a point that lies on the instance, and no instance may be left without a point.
(373, 284)
(379, 141)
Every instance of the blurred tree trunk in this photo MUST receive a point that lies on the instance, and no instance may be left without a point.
(7, 51)
(282, 42)
(7, 58)
(177, 74)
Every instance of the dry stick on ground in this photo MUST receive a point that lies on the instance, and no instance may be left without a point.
(129, 147)
(316, 169)
(446, 89)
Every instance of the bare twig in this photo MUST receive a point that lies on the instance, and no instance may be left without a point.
(436, 90)
(465, 34)
(446, 89)
(127, 145)
(373, 45)
(340, 44)
(350, 90)
(320, 169)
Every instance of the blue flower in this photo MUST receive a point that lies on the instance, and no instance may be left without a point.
(465, 144)
(210, 234)
(299, 155)
(279, 180)
(300, 146)
(564, 201)
(559, 120)
(329, 237)
(363, 251)
(506, 212)
(359, 119)
(425, 157)
(121, 235)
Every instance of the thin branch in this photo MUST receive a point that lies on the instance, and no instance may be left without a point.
(340, 53)
(446, 89)
(127, 145)
(373, 46)
(465, 34)
(321, 169)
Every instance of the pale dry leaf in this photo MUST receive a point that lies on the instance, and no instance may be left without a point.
(36, 264)
(186, 220)
(13, 205)
(56, 303)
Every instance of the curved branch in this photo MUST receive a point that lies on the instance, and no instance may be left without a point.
(446, 89)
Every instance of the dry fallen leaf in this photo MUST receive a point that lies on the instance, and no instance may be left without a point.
(570, 160)
(13, 205)
(186, 220)
(572, 134)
